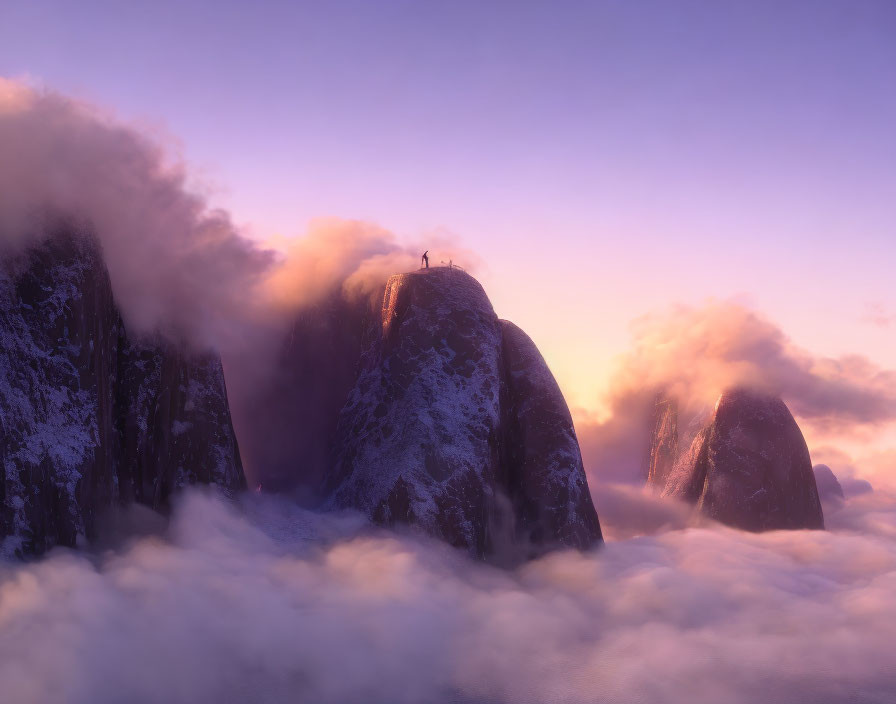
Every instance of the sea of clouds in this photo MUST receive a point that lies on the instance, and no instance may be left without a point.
(262, 601)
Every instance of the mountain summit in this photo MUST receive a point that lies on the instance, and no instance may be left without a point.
(456, 425)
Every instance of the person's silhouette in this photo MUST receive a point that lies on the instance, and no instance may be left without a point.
(425, 259)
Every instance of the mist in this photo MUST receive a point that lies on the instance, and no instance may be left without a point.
(177, 266)
(266, 602)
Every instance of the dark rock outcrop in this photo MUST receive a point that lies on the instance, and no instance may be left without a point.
(456, 425)
(749, 467)
(89, 417)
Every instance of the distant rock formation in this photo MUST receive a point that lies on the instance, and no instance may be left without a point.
(288, 418)
(829, 489)
(456, 425)
(749, 467)
(834, 490)
(89, 417)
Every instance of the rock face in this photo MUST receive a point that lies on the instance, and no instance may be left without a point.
(88, 416)
(749, 467)
(456, 425)
(663, 449)
(543, 464)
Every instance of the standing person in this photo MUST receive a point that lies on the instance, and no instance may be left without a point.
(424, 260)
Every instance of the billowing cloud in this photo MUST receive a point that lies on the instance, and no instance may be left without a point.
(695, 353)
(177, 265)
(274, 604)
(354, 255)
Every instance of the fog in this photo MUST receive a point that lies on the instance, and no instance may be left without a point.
(265, 602)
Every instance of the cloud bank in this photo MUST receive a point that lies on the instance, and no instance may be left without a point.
(275, 604)
(353, 257)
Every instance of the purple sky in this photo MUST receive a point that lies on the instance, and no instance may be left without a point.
(604, 158)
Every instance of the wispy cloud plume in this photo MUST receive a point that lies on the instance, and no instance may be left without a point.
(176, 265)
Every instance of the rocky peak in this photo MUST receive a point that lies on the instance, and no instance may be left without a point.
(749, 467)
(542, 463)
(456, 426)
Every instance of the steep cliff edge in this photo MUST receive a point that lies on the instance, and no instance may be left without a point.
(455, 425)
(542, 461)
(749, 467)
(89, 417)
